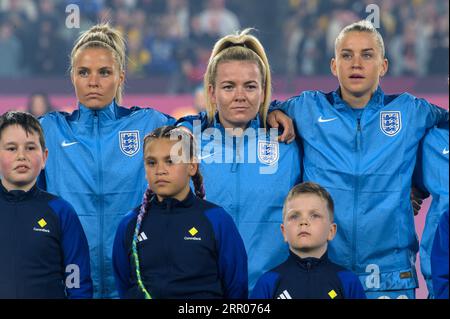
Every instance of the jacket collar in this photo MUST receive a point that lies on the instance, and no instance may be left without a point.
(109, 112)
(171, 203)
(309, 263)
(254, 123)
(376, 101)
(18, 195)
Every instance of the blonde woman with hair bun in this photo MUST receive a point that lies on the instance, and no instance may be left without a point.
(95, 153)
(246, 171)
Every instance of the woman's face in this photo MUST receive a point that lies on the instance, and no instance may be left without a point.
(237, 92)
(359, 64)
(96, 77)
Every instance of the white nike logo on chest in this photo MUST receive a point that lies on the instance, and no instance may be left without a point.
(66, 144)
(322, 120)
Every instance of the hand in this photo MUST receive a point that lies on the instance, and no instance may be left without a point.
(417, 196)
(277, 119)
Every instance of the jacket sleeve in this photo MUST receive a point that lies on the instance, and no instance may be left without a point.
(169, 119)
(418, 174)
(265, 286)
(289, 107)
(431, 173)
(353, 288)
(232, 257)
(193, 120)
(431, 114)
(121, 263)
(157, 118)
(439, 260)
(75, 251)
(42, 181)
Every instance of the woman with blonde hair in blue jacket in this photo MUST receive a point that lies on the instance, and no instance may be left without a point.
(95, 153)
(245, 169)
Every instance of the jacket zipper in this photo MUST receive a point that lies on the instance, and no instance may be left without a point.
(15, 256)
(100, 203)
(234, 169)
(168, 251)
(310, 285)
(356, 192)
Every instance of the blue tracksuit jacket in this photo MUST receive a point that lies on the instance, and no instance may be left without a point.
(432, 176)
(96, 163)
(366, 160)
(308, 278)
(42, 247)
(249, 176)
(187, 249)
(439, 259)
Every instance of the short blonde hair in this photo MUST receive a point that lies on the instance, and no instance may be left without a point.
(239, 47)
(102, 36)
(310, 188)
(362, 26)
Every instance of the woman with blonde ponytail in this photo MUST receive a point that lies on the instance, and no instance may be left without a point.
(95, 153)
(240, 47)
(245, 169)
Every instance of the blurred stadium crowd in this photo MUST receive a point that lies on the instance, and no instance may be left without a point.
(173, 38)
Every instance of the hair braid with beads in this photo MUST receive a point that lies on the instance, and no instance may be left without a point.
(197, 179)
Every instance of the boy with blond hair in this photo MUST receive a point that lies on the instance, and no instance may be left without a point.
(308, 273)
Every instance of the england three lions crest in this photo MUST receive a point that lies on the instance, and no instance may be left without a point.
(391, 122)
(268, 152)
(129, 142)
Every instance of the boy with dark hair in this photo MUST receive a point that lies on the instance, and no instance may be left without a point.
(43, 248)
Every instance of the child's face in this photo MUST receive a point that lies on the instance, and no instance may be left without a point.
(359, 64)
(307, 226)
(21, 158)
(166, 179)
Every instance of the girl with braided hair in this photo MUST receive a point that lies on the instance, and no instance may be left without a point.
(175, 244)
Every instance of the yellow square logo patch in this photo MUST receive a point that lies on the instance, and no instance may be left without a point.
(42, 223)
(332, 294)
(193, 231)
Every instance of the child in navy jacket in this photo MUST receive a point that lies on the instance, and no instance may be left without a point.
(43, 249)
(177, 245)
(308, 273)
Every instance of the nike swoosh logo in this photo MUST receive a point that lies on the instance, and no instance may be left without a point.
(445, 151)
(66, 144)
(322, 120)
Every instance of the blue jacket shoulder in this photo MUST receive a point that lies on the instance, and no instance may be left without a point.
(266, 286)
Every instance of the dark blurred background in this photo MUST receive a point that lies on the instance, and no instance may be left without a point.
(169, 41)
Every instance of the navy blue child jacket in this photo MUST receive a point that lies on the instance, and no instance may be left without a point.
(188, 249)
(308, 278)
(43, 249)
